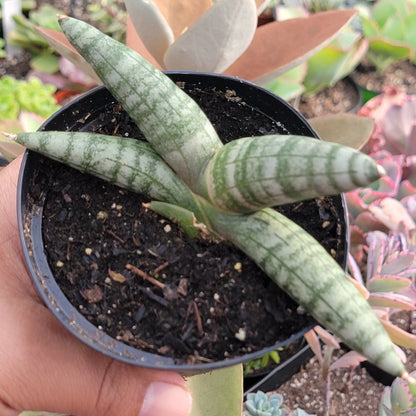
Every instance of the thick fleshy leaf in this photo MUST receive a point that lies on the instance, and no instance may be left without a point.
(216, 40)
(401, 396)
(59, 42)
(280, 46)
(399, 336)
(351, 359)
(392, 213)
(387, 283)
(181, 14)
(134, 42)
(315, 344)
(217, 393)
(346, 129)
(151, 26)
(399, 264)
(255, 172)
(391, 300)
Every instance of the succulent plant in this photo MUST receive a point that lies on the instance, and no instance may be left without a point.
(398, 399)
(228, 188)
(389, 27)
(261, 404)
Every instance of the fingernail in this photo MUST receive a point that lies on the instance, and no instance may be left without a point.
(163, 399)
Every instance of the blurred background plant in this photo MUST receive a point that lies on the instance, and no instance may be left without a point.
(262, 404)
(398, 399)
(390, 28)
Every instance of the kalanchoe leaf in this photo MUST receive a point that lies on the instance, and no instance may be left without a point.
(401, 396)
(387, 283)
(399, 336)
(399, 264)
(256, 172)
(391, 300)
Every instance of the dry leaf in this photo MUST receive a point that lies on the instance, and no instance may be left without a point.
(116, 276)
(280, 46)
(151, 27)
(216, 40)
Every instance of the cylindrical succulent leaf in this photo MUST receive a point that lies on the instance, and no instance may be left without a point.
(257, 172)
(129, 163)
(296, 262)
(170, 120)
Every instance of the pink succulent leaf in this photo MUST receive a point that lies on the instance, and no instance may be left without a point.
(386, 283)
(411, 139)
(391, 300)
(377, 107)
(401, 395)
(351, 359)
(326, 337)
(411, 412)
(377, 251)
(355, 203)
(74, 74)
(406, 189)
(54, 79)
(401, 264)
(368, 223)
(313, 341)
(392, 214)
(354, 270)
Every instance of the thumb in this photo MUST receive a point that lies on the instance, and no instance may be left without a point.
(46, 368)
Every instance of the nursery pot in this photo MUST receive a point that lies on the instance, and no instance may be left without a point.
(49, 210)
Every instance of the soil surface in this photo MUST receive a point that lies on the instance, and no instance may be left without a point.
(401, 74)
(136, 276)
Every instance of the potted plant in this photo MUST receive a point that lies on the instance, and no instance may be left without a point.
(176, 167)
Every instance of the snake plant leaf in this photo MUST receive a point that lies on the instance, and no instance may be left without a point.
(151, 26)
(256, 172)
(184, 218)
(216, 40)
(170, 120)
(281, 248)
(129, 163)
(217, 393)
(346, 129)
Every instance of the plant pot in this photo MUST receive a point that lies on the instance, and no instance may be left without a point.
(344, 97)
(39, 197)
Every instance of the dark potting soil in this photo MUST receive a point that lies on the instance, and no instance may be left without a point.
(136, 276)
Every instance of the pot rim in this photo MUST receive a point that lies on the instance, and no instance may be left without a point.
(53, 296)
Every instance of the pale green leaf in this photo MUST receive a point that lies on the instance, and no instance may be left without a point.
(45, 62)
(217, 393)
(346, 129)
(151, 26)
(391, 300)
(217, 39)
(387, 283)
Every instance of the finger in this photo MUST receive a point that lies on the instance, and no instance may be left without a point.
(49, 369)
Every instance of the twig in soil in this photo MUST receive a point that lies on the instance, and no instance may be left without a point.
(145, 276)
(160, 268)
(153, 296)
(198, 319)
(114, 235)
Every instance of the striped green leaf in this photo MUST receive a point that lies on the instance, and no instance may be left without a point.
(170, 120)
(256, 172)
(301, 267)
(129, 163)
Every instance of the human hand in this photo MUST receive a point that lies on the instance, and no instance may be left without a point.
(44, 367)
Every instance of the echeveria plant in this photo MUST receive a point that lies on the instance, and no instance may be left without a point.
(228, 189)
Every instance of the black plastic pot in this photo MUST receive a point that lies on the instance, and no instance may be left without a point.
(77, 116)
